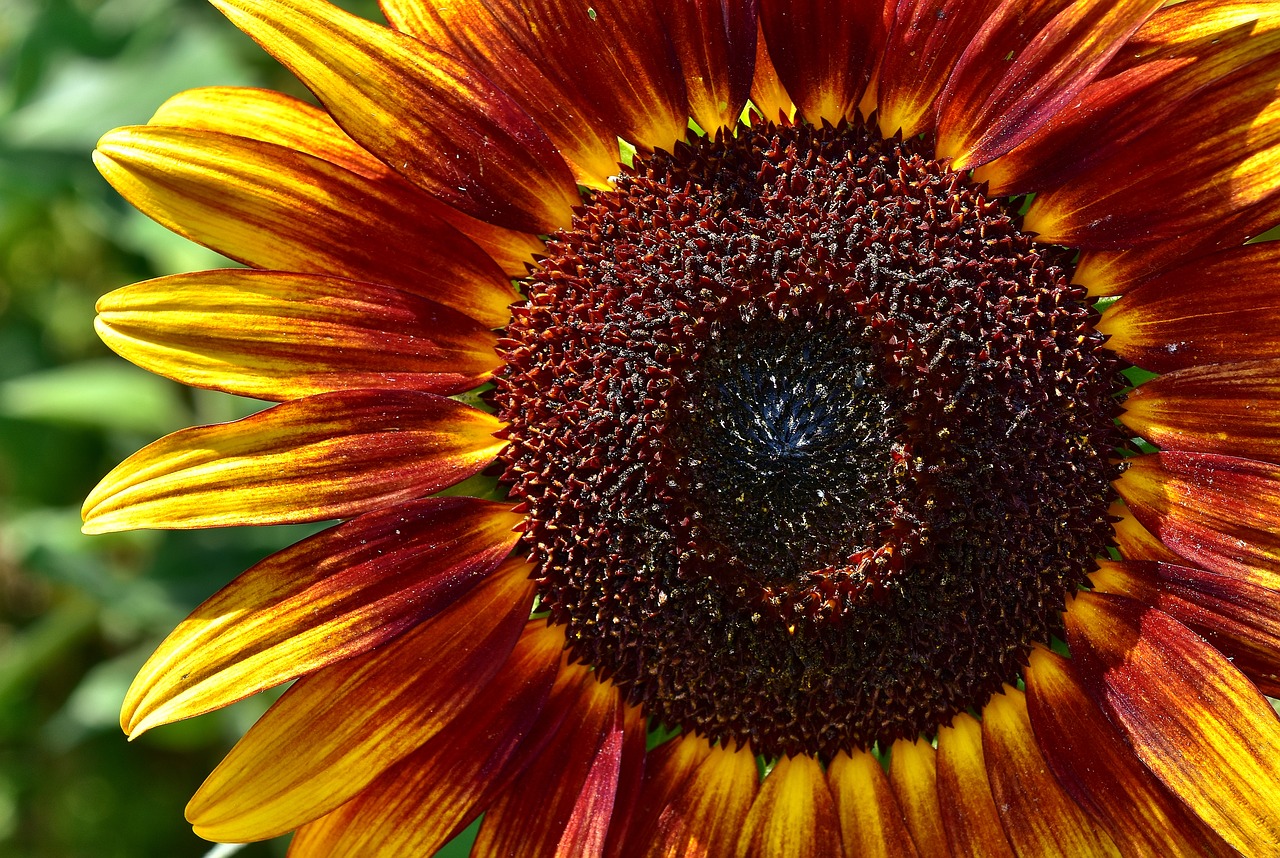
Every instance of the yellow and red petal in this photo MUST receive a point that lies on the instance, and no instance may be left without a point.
(1228, 408)
(561, 804)
(1218, 512)
(1240, 619)
(1220, 309)
(357, 718)
(431, 795)
(1229, 160)
(968, 811)
(1192, 718)
(794, 814)
(925, 41)
(913, 774)
(272, 207)
(715, 41)
(1039, 817)
(276, 335)
(1094, 765)
(706, 813)
(436, 121)
(1028, 62)
(824, 52)
(1135, 541)
(332, 455)
(872, 824)
(666, 768)
(334, 595)
(768, 95)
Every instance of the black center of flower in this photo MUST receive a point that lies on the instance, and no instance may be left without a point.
(813, 440)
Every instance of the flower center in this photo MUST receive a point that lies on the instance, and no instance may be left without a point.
(813, 440)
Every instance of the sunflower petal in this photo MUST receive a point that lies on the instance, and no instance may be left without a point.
(705, 815)
(1240, 619)
(1221, 408)
(1216, 511)
(1229, 159)
(1029, 61)
(716, 43)
(435, 120)
(913, 773)
(925, 42)
(666, 768)
(1168, 324)
(1135, 541)
(768, 95)
(274, 335)
(332, 596)
(1097, 769)
(794, 815)
(430, 796)
(871, 822)
(328, 456)
(1196, 722)
(968, 811)
(361, 716)
(271, 207)
(563, 806)
(824, 52)
(1039, 818)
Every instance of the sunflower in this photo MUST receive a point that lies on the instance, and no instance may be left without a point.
(839, 427)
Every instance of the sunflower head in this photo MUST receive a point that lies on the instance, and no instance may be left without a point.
(773, 484)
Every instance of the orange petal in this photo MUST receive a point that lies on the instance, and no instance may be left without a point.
(1240, 619)
(1228, 159)
(332, 455)
(435, 120)
(1229, 408)
(1024, 66)
(335, 731)
(706, 814)
(925, 43)
(913, 773)
(794, 815)
(562, 803)
(768, 95)
(271, 207)
(824, 52)
(1039, 817)
(274, 335)
(430, 796)
(588, 74)
(272, 117)
(666, 768)
(1195, 721)
(1220, 309)
(1135, 541)
(871, 822)
(968, 811)
(1098, 770)
(1216, 511)
(716, 43)
(332, 596)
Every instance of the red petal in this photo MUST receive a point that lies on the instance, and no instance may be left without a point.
(1098, 770)
(1024, 66)
(1220, 309)
(716, 43)
(768, 95)
(706, 813)
(1229, 408)
(1039, 817)
(335, 731)
(337, 594)
(435, 120)
(666, 768)
(1216, 511)
(430, 796)
(1192, 718)
(332, 455)
(824, 52)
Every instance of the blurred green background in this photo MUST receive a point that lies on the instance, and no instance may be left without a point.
(78, 615)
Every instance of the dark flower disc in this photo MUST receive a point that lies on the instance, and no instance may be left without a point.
(813, 439)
